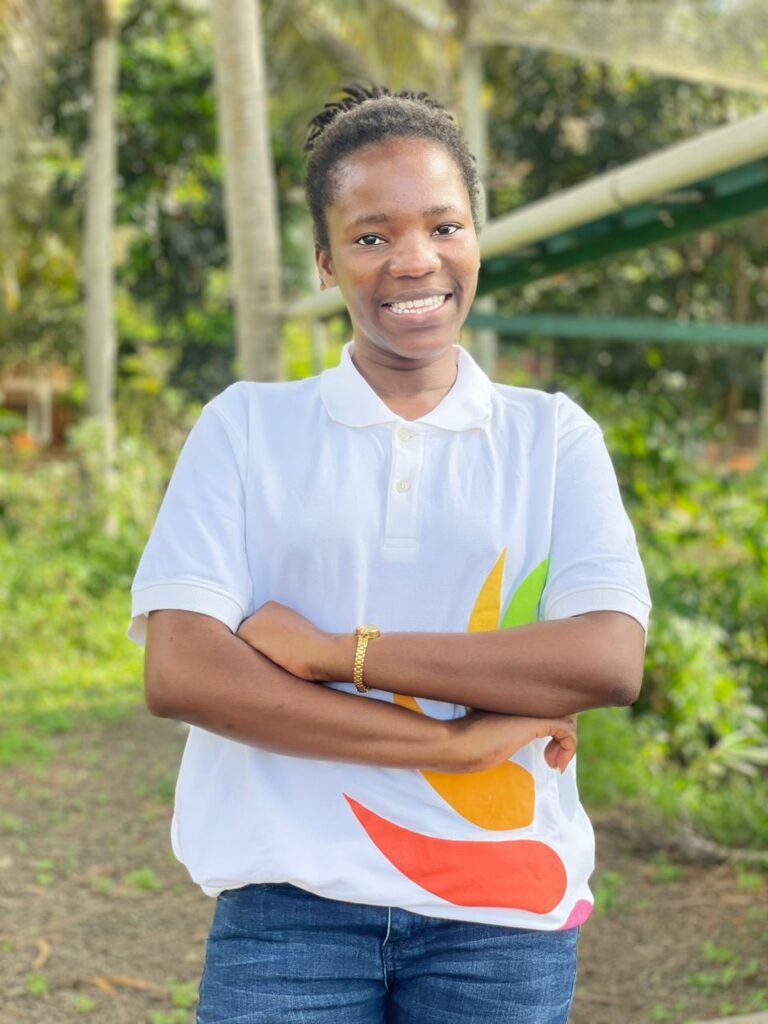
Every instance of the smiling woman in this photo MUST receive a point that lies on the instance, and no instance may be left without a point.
(342, 569)
(395, 222)
(403, 249)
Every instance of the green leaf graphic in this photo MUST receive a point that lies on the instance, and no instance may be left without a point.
(524, 604)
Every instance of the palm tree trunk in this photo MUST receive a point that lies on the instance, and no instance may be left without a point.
(100, 341)
(250, 192)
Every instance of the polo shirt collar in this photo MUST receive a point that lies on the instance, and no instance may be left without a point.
(349, 398)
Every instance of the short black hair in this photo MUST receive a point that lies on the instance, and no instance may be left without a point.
(371, 114)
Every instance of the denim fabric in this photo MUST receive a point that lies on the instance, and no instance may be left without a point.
(279, 955)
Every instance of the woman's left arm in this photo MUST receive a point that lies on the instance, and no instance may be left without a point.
(551, 668)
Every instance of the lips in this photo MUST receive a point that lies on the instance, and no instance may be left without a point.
(423, 308)
(415, 296)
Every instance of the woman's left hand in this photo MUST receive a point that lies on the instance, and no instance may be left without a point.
(288, 639)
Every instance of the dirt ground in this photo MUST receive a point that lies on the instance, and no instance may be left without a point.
(99, 922)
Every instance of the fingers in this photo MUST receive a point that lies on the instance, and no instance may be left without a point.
(497, 737)
(558, 757)
(561, 748)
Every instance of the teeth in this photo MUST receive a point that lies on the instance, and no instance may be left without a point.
(418, 304)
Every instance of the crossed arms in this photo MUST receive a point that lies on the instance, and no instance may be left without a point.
(260, 686)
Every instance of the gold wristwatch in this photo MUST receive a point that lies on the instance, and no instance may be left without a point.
(363, 634)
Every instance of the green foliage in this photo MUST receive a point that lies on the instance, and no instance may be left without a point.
(717, 954)
(753, 881)
(297, 347)
(184, 997)
(44, 873)
(11, 422)
(144, 879)
(177, 1016)
(557, 121)
(11, 824)
(162, 790)
(184, 994)
(607, 889)
(665, 871)
(664, 1013)
(83, 1004)
(567, 120)
(709, 981)
(695, 745)
(102, 886)
(64, 591)
(37, 984)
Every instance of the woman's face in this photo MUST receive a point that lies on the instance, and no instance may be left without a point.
(401, 231)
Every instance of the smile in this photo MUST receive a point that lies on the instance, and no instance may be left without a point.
(417, 307)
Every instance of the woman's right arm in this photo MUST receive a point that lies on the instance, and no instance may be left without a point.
(197, 671)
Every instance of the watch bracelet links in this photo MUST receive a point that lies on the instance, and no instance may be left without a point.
(357, 673)
(364, 634)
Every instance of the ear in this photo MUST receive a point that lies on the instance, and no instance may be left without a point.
(325, 268)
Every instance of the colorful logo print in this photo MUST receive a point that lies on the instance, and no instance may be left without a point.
(523, 874)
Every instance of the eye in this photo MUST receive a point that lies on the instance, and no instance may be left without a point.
(451, 229)
(368, 241)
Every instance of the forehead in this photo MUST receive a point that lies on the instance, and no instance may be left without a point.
(396, 175)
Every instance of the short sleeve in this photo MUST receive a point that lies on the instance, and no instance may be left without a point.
(594, 563)
(195, 559)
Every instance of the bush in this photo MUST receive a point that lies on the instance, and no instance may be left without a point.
(696, 742)
(64, 591)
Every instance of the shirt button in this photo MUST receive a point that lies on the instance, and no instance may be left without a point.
(404, 435)
(403, 486)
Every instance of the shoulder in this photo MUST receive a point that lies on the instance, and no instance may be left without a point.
(245, 400)
(541, 410)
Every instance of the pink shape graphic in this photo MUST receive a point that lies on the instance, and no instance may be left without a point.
(578, 915)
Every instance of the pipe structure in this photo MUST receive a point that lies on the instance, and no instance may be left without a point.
(648, 178)
(640, 181)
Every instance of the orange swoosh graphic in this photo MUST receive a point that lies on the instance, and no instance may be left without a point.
(519, 874)
(498, 799)
(502, 797)
(485, 614)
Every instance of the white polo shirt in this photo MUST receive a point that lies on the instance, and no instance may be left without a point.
(497, 508)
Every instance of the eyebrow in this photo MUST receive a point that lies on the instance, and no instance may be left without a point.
(384, 218)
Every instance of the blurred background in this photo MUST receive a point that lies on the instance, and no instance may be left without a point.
(155, 246)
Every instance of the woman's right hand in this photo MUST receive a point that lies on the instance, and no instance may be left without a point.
(484, 739)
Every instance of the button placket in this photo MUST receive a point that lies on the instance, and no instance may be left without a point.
(407, 450)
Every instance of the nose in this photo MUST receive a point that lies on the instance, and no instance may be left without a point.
(414, 256)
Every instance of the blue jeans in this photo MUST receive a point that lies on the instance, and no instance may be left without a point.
(279, 955)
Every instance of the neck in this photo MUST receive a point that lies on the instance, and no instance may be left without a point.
(400, 379)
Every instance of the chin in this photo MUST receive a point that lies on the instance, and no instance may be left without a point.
(414, 341)
(417, 347)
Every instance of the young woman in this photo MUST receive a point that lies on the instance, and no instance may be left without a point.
(380, 596)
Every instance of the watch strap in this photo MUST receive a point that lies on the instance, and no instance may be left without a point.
(363, 634)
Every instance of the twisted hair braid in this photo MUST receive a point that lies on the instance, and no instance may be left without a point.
(366, 115)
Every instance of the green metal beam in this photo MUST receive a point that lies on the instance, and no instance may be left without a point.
(622, 233)
(634, 329)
